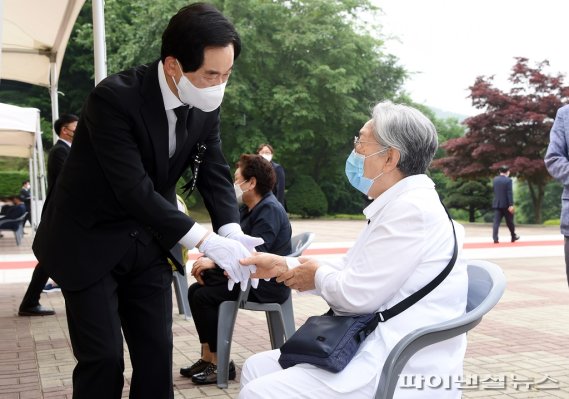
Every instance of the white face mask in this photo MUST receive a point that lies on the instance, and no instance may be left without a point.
(268, 157)
(239, 192)
(206, 99)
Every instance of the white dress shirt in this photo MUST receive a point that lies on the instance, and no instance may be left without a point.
(405, 245)
(171, 101)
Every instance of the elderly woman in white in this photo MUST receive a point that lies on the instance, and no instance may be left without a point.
(405, 244)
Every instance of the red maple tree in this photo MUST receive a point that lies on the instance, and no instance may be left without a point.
(512, 130)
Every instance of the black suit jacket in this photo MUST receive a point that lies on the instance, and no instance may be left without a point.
(279, 188)
(118, 184)
(57, 156)
(503, 193)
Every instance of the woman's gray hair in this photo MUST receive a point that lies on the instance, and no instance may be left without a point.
(409, 131)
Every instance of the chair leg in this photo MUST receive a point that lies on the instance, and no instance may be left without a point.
(181, 290)
(18, 234)
(276, 328)
(288, 317)
(226, 324)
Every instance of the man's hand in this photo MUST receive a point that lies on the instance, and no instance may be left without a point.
(300, 278)
(226, 253)
(268, 265)
(511, 209)
(249, 242)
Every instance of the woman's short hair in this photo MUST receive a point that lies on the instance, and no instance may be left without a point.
(409, 131)
(253, 165)
(194, 28)
(260, 148)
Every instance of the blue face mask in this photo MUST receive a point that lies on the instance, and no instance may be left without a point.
(355, 171)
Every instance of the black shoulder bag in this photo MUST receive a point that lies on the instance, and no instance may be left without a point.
(330, 342)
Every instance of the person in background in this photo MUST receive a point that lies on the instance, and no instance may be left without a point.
(557, 164)
(111, 222)
(13, 211)
(267, 152)
(64, 127)
(503, 204)
(407, 241)
(261, 216)
(26, 197)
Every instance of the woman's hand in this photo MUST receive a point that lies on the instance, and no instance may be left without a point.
(199, 266)
(300, 278)
(268, 265)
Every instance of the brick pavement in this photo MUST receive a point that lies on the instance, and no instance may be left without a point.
(519, 343)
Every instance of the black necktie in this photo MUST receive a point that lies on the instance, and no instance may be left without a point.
(181, 128)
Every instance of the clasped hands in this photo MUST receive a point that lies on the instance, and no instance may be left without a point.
(226, 252)
(301, 277)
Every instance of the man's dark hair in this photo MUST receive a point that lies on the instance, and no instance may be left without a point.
(194, 28)
(253, 165)
(64, 120)
(504, 168)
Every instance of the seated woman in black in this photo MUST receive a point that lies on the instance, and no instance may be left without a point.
(261, 216)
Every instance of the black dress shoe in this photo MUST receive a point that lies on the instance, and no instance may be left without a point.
(515, 237)
(209, 375)
(36, 311)
(195, 368)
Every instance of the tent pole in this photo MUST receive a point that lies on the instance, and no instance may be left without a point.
(54, 98)
(99, 47)
(39, 177)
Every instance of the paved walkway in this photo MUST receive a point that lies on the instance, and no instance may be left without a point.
(520, 350)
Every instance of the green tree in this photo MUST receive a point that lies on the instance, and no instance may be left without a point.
(305, 198)
(307, 76)
(473, 196)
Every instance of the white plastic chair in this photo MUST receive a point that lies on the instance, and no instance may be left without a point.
(486, 285)
(280, 317)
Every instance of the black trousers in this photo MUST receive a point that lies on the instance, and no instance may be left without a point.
(500, 213)
(205, 300)
(137, 296)
(35, 288)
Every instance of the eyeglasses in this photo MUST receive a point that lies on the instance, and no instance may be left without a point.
(71, 130)
(358, 141)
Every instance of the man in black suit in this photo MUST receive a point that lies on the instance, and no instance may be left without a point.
(503, 203)
(111, 222)
(65, 129)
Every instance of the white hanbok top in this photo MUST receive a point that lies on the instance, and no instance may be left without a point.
(406, 243)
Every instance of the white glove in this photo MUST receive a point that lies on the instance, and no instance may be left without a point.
(250, 243)
(226, 254)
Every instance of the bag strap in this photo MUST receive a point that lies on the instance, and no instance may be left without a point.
(413, 298)
(418, 295)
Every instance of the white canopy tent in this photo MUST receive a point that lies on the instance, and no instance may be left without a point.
(33, 38)
(20, 136)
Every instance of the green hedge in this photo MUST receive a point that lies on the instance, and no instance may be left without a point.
(305, 198)
(11, 182)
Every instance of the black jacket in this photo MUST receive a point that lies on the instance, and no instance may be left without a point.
(118, 184)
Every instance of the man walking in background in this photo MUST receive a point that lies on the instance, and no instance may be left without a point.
(65, 129)
(503, 203)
